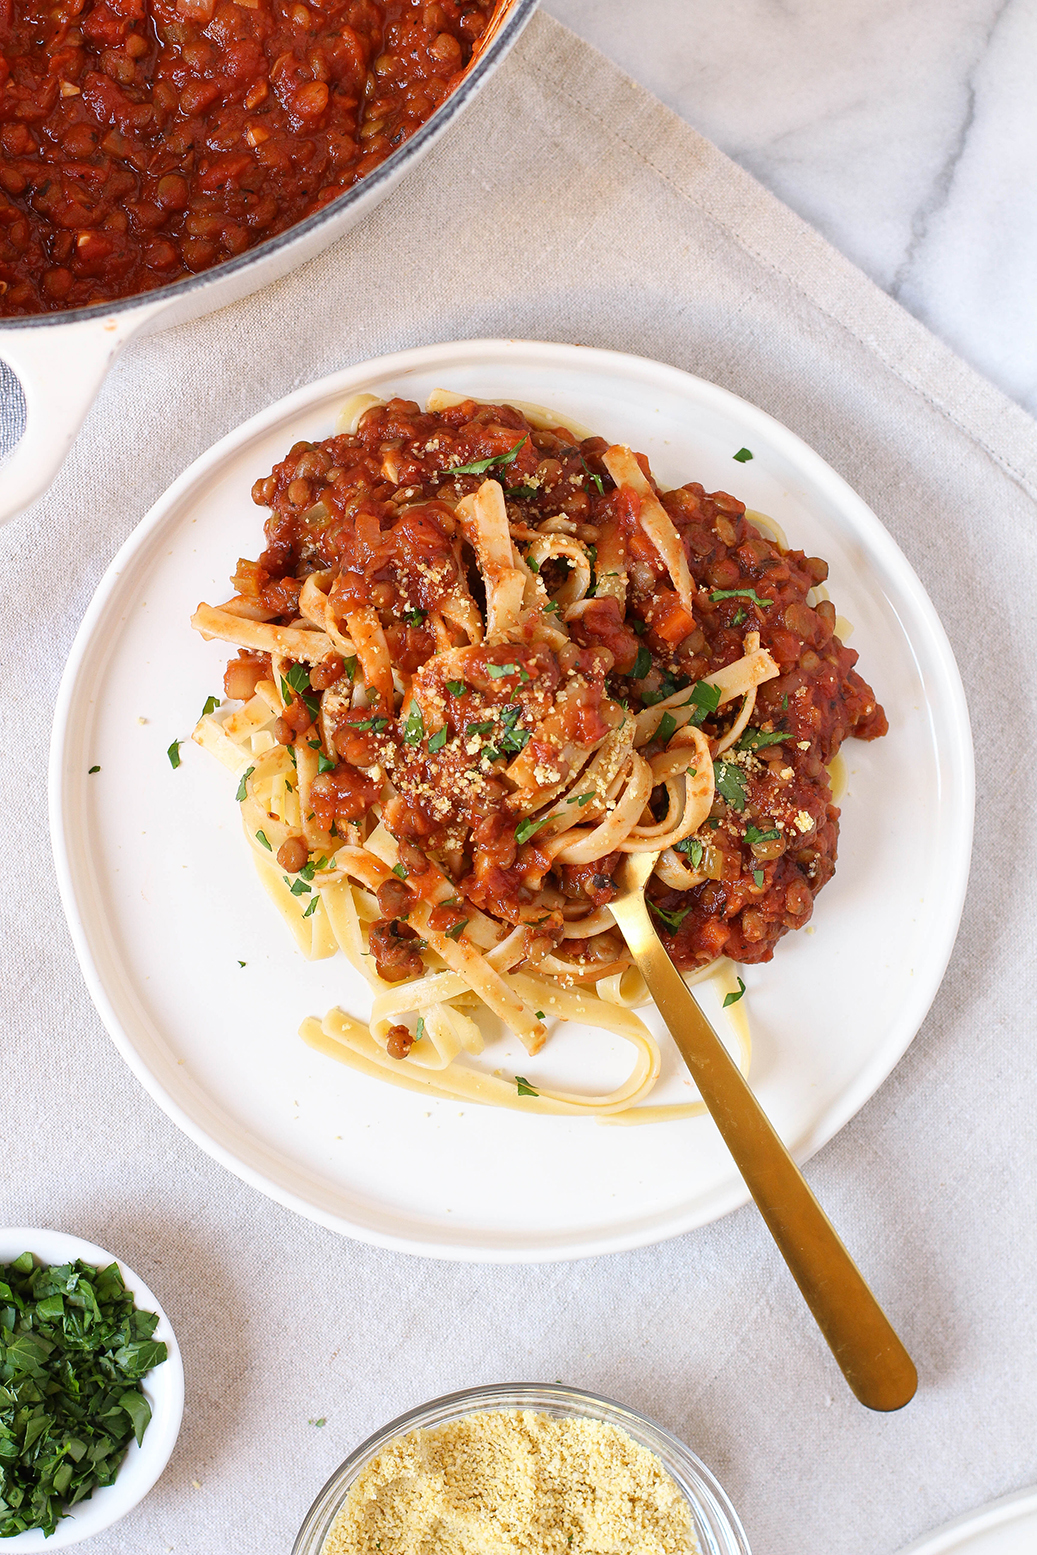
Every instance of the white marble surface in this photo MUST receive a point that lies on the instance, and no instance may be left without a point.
(904, 130)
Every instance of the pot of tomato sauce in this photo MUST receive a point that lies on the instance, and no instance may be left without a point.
(162, 158)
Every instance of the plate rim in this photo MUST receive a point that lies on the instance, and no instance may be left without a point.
(958, 753)
(995, 1514)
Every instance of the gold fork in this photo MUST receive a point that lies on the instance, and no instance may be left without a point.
(872, 1358)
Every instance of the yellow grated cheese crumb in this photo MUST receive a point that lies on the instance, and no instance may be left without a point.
(514, 1482)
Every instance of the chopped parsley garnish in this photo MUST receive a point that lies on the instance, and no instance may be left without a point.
(419, 1029)
(414, 617)
(733, 998)
(483, 728)
(174, 754)
(758, 879)
(539, 1014)
(498, 671)
(439, 739)
(241, 963)
(738, 617)
(349, 668)
(754, 835)
(455, 932)
(92, 770)
(324, 763)
(73, 1352)
(401, 870)
(298, 887)
(243, 785)
(520, 491)
(210, 706)
(524, 1087)
(672, 920)
(311, 906)
(596, 479)
(743, 456)
(296, 679)
(553, 608)
(414, 728)
(456, 687)
(480, 466)
(705, 698)
(525, 829)
(756, 739)
(667, 686)
(642, 664)
(693, 848)
(374, 724)
(511, 740)
(311, 866)
(667, 726)
(730, 783)
(321, 1421)
(718, 594)
(532, 564)
(580, 799)
(785, 703)
(262, 837)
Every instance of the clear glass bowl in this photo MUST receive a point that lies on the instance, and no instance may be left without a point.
(714, 1519)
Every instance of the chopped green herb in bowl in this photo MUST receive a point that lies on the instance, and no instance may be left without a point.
(91, 1390)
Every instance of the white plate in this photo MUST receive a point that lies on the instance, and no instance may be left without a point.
(163, 904)
(163, 1388)
(1005, 1527)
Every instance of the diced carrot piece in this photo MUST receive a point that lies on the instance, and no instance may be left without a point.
(672, 622)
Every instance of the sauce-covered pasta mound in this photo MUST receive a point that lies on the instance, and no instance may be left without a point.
(481, 658)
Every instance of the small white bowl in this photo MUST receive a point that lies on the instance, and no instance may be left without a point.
(163, 1389)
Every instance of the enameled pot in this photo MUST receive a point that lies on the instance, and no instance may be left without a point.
(61, 358)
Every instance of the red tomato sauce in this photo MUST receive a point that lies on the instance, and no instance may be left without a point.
(142, 141)
(375, 508)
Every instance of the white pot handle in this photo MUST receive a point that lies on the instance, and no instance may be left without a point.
(61, 368)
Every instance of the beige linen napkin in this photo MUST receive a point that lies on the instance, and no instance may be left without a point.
(570, 205)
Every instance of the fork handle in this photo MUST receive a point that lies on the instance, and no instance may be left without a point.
(860, 1336)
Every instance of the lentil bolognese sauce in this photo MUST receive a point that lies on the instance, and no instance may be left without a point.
(145, 140)
(482, 657)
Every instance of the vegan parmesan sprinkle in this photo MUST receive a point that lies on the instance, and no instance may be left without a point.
(514, 1482)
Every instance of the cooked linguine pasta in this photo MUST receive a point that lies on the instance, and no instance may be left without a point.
(482, 658)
